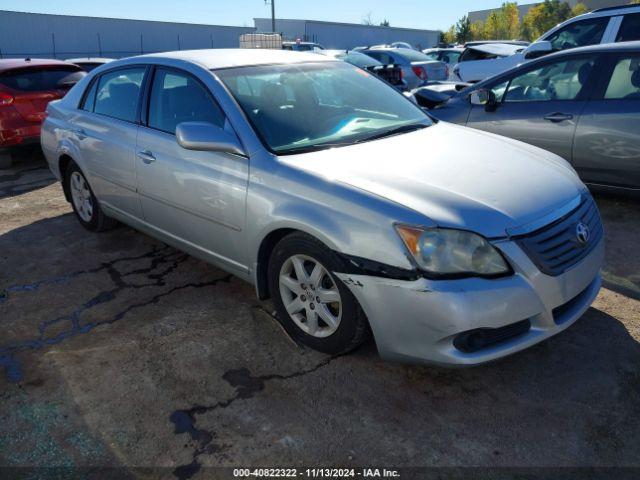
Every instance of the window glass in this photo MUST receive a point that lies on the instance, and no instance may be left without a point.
(555, 81)
(630, 28)
(579, 34)
(625, 80)
(179, 97)
(118, 93)
(90, 98)
(315, 105)
(412, 55)
(42, 79)
(382, 57)
(499, 90)
(450, 57)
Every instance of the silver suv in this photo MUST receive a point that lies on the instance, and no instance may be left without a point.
(337, 197)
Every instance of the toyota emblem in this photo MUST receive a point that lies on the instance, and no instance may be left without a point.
(582, 233)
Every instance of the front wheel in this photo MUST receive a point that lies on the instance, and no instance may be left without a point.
(313, 305)
(84, 203)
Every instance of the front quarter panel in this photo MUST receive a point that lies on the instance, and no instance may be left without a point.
(345, 219)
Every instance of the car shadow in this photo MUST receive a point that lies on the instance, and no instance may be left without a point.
(29, 172)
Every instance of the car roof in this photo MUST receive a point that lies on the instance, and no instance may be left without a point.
(603, 47)
(90, 60)
(13, 63)
(230, 57)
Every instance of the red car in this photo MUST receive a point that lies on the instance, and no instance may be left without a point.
(26, 87)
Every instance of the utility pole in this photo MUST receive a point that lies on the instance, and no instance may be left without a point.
(273, 14)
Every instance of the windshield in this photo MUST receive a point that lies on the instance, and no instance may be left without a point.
(310, 106)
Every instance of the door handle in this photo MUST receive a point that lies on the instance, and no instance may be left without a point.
(146, 156)
(558, 117)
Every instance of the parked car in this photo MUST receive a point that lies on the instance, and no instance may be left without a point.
(605, 25)
(402, 45)
(417, 68)
(336, 196)
(477, 62)
(582, 104)
(302, 46)
(89, 63)
(389, 73)
(450, 56)
(26, 87)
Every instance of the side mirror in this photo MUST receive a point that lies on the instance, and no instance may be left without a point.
(538, 49)
(205, 136)
(484, 98)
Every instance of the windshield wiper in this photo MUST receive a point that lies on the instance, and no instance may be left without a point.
(394, 131)
(312, 148)
(323, 146)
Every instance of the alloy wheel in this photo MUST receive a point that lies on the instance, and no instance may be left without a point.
(310, 296)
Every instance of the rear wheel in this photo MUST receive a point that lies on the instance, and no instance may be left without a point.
(84, 203)
(313, 305)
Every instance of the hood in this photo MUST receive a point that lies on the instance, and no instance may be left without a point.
(456, 176)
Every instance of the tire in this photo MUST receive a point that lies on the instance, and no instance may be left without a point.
(84, 203)
(351, 328)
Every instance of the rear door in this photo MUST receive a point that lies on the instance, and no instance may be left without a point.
(105, 131)
(607, 144)
(195, 197)
(540, 105)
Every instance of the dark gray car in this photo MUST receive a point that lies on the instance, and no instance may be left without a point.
(582, 104)
(417, 68)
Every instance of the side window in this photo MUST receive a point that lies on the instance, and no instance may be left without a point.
(625, 80)
(579, 34)
(178, 97)
(630, 28)
(118, 93)
(555, 81)
(90, 98)
(499, 90)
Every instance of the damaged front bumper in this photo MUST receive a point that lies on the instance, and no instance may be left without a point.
(419, 320)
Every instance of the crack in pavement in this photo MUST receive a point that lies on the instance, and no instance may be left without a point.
(159, 257)
(246, 386)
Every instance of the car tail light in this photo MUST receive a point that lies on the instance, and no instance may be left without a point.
(5, 98)
(420, 72)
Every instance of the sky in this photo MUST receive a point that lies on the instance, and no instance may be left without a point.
(425, 14)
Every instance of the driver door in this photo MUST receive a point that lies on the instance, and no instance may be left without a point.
(194, 198)
(540, 106)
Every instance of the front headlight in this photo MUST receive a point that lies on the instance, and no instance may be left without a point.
(445, 252)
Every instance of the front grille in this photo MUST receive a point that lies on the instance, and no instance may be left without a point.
(480, 338)
(555, 248)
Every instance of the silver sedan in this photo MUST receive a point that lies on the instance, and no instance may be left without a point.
(335, 196)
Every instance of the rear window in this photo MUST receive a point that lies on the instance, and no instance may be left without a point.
(41, 79)
(413, 55)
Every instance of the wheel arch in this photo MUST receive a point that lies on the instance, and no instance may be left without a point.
(64, 161)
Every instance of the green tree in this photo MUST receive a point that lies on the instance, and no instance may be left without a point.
(509, 21)
(385, 23)
(449, 36)
(492, 26)
(463, 30)
(580, 9)
(544, 17)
